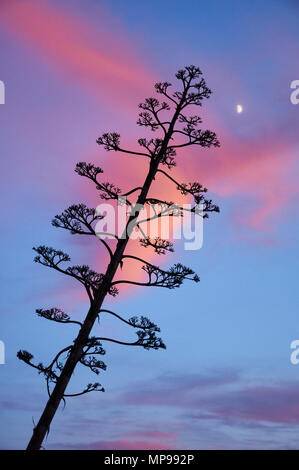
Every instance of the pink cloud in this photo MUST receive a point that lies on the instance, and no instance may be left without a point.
(128, 445)
(157, 435)
(255, 172)
(273, 404)
(226, 398)
(96, 59)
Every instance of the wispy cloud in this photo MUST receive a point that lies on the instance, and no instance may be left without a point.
(102, 63)
(219, 409)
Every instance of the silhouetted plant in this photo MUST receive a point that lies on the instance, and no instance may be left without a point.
(170, 119)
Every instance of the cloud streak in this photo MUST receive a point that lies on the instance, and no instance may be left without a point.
(95, 59)
(225, 396)
(256, 172)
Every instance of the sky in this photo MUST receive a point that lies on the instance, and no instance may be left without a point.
(73, 70)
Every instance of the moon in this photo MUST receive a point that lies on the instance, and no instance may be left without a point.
(239, 108)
